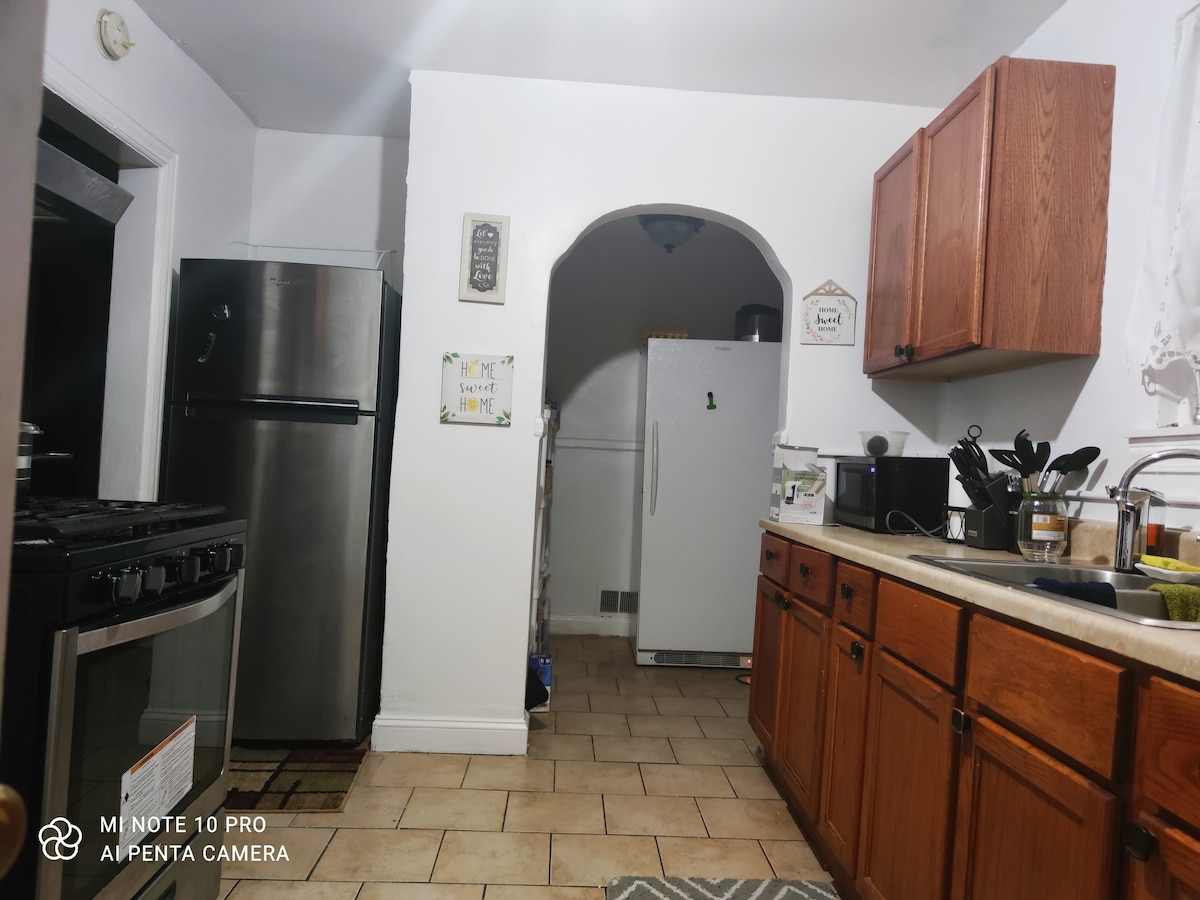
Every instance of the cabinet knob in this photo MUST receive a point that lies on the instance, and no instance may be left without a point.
(847, 591)
(785, 603)
(1139, 843)
(897, 351)
(804, 570)
(909, 350)
(959, 721)
(768, 555)
(856, 650)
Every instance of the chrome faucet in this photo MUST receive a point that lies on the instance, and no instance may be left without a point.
(1130, 501)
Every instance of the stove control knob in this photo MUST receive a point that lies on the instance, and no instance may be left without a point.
(189, 569)
(154, 580)
(126, 586)
(237, 555)
(219, 559)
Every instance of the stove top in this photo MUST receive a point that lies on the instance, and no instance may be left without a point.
(41, 518)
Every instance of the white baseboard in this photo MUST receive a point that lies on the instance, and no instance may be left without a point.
(605, 626)
(433, 734)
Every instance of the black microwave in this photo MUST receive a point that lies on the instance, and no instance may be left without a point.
(892, 494)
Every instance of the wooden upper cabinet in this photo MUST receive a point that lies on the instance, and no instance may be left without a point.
(894, 229)
(1011, 222)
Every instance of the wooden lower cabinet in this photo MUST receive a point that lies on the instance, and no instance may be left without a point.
(1029, 826)
(1172, 871)
(908, 786)
(845, 743)
(802, 699)
(764, 676)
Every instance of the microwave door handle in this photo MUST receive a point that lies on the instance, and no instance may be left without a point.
(125, 632)
(653, 467)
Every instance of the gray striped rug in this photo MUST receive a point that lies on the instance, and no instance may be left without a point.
(631, 887)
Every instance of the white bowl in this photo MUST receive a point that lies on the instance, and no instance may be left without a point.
(883, 443)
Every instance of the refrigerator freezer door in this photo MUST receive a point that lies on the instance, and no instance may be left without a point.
(300, 486)
(711, 411)
(245, 327)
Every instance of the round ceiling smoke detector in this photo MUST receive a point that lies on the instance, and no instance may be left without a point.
(113, 34)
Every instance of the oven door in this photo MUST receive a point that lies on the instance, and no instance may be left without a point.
(138, 740)
(854, 502)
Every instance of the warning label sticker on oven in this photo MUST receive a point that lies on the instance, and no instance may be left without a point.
(156, 782)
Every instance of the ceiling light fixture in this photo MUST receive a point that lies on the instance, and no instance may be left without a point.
(670, 231)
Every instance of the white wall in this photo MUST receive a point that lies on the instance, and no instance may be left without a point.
(332, 199)
(1097, 402)
(557, 158)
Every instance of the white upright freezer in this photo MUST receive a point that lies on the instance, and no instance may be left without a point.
(712, 408)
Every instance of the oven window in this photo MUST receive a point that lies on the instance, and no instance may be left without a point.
(129, 699)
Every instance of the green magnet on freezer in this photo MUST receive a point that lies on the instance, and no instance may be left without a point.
(711, 405)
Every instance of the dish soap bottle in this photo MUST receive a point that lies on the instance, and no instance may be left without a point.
(1042, 527)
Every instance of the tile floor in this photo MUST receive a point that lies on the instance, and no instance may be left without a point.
(635, 771)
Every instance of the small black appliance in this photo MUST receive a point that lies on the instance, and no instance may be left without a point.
(892, 494)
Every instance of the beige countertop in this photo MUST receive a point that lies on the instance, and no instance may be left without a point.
(1173, 650)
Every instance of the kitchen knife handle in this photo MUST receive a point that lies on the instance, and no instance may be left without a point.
(653, 467)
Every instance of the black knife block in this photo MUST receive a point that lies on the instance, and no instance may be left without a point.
(988, 529)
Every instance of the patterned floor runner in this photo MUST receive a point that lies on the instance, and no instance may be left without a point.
(635, 888)
(267, 780)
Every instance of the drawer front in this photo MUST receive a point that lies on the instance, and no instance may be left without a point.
(810, 574)
(1168, 748)
(925, 631)
(1072, 701)
(773, 557)
(854, 597)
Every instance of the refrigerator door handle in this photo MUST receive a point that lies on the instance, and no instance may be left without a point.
(269, 407)
(653, 466)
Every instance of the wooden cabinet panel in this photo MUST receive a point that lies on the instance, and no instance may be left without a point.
(854, 597)
(1167, 771)
(908, 786)
(810, 576)
(1173, 870)
(845, 744)
(1028, 826)
(764, 676)
(895, 226)
(1069, 699)
(773, 557)
(949, 297)
(921, 629)
(801, 733)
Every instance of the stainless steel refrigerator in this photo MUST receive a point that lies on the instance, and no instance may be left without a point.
(281, 401)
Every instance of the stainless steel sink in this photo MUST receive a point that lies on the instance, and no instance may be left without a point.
(1135, 603)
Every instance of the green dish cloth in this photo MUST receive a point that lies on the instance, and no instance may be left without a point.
(1183, 601)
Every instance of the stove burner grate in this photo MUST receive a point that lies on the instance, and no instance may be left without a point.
(56, 518)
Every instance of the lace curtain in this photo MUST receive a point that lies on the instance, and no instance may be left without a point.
(1164, 324)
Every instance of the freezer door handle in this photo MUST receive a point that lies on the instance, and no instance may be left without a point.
(314, 408)
(653, 466)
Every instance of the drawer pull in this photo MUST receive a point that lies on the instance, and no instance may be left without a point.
(779, 598)
(785, 603)
(897, 351)
(856, 650)
(768, 555)
(805, 571)
(847, 591)
(959, 721)
(1139, 843)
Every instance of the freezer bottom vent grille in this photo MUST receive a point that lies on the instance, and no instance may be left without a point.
(697, 658)
(614, 602)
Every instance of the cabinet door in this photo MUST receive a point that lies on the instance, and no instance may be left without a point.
(908, 785)
(895, 227)
(802, 704)
(845, 743)
(764, 676)
(1029, 826)
(948, 315)
(1172, 872)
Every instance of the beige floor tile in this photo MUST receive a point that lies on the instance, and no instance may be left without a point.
(688, 706)
(555, 813)
(510, 773)
(738, 709)
(615, 670)
(705, 752)
(603, 656)
(596, 859)
(679, 816)
(591, 723)
(632, 749)
(366, 807)
(725, 727)
(303, 845)
(227, 885)
(686, 781)
(751, 783)
(684, 857)
(566, 644)
(752, 819)
(794, 860)
(455, 809)
(565, 701)
(575, 777)
(641, 687)
(382, 891)
(569, 667)
(560, 746)
(609, 642)
(277, 819)
(420, 770)
(618, 703)
(368, 766)
(668, 674)
(724, 690)
(585, 684)
(296, 890)
(377, 854)
(541, 722)
(550, 892)
(663, 726)
(471, 857)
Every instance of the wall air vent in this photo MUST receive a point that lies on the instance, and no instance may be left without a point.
(617, 602)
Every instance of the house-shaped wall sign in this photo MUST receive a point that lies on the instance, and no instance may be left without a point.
(827, 315)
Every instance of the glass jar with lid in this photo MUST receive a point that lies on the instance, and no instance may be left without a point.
(1042, 527)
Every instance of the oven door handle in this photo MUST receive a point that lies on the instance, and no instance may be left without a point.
(125, 632)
